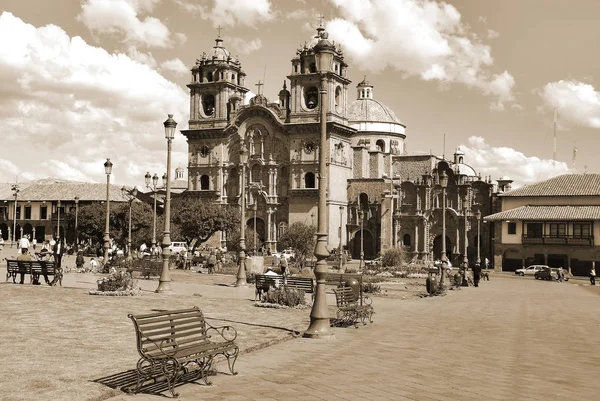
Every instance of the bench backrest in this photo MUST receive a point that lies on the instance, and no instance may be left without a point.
(263, 281)
(12, 265)
(303, 283)
(169, 331)
(344, 297)
(337, 278)
(42, 267)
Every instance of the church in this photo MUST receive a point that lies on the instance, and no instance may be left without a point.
(378, 196)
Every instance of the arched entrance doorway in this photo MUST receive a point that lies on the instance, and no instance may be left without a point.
(260, 232)
(4, 232)
(28, 230)
(368, 245)
(437, 248)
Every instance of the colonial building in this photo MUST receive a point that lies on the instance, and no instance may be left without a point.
(40, 203)
(554, 222)
(367, 167)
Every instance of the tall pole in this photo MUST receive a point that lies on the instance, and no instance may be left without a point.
(164, 285)
(58, 219)
(361, 215)
(444, 258)
(319, 314)
(465, 260)
(341, 262)
(106, 228)
(478, 216)
(76, 232)
(129, 256)
(14, 233)
(255, 244)
(153, 248)
(241, 275)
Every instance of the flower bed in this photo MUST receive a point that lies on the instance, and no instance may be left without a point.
(119, 283)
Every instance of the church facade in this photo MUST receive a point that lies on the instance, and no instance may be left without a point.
(369, 173)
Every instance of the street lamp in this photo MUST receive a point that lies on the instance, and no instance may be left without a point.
(58, 220)
(443, 183)
(76, 215)
(319, 314)
(361, 216)
(153, 188)
(341, 262)
(478, 217)
(130, 195)
(241, 275)
(15, 189)
(254, 208)
(107, 169)
(465, 261)
(164, 284)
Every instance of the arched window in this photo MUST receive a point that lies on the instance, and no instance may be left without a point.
(204, 183)
(309, 180)
(311, 97)
(208, 104)
(233, 77)
(380, 145)
(222, 75)
(255, 173)
(338, 97)
(363, 201)
(406, 240)
(460, 160)
(312, 67)
(209, 76)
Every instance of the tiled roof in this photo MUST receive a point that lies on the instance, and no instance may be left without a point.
(563, 185)
(547, 213)
(52, 190)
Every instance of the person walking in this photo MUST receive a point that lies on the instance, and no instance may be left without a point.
(24, 244)
(57, 251)
(592, 275)
(284, 266)
(476, 274)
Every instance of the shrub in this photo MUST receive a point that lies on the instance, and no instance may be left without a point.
(394, 257)
(118, 281)
(371, 288)
(285, 296)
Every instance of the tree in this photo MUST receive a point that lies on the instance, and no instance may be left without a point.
(301, 238)
(233, 240)
(192, 218)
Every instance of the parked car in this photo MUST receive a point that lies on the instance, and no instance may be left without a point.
(530, 270)
(177, 247)
(549, 273)
(373, 263)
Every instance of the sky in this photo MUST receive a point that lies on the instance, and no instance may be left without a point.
(86, 80)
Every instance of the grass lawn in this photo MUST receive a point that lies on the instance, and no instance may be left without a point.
(57, 341)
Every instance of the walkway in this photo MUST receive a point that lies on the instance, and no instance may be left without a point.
(510, 339)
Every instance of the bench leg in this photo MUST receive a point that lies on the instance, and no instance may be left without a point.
(231, 358)
(172, 370)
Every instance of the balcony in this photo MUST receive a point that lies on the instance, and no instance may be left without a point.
(565, 240)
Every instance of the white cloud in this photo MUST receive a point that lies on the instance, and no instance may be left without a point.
(419, 38)
(577, 103)
(175, 66)
(243, 46)
(120, 18)
(231, 12)
(491, 34)
(141, 57)
(67, 106)
(504, 161)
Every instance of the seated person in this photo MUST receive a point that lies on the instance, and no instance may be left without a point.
(24, 256)
(270, 272)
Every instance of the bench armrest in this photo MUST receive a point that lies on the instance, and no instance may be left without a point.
(228, 333)
(170, 343)
(366, 300)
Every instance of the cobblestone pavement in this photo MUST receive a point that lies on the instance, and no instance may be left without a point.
(509, 339)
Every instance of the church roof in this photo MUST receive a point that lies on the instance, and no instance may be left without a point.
(218, 52)
(53, 189)
(563, 185)
(548, 213)
(370, 110)
(464, 169)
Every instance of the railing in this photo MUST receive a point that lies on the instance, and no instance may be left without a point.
(565, 240)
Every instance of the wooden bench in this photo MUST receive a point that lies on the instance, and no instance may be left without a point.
(264, 282)
(35, 268)
(146, 267)
(350, 310)
(338, 279)
(170, 343)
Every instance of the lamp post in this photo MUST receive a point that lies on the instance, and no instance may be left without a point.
(107, 169)
(361, 216)
(341, 262)
(254, 208)
(130, 195)
(241, 275)
(465, 261)
(15, 189)
(58, 219)
(319, 314)
(478, 217)
(76, 215)
(443, 183)
(153, 188)
(164, 285)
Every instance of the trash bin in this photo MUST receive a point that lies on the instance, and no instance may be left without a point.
(352, 283)
(431, 283)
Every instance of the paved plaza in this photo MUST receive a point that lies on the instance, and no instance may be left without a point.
(510, 339)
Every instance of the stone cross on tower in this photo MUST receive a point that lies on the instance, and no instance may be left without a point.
(219, 29)
(258, 85)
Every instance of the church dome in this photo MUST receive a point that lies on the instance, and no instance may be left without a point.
(370, 110)
(464, 169)
(218, 52)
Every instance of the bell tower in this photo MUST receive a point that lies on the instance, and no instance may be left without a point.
(305, 83)
(216, 89)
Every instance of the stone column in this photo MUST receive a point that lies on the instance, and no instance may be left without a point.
(274, 181)
(262, 147)
(416, 248)
(269, 213)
